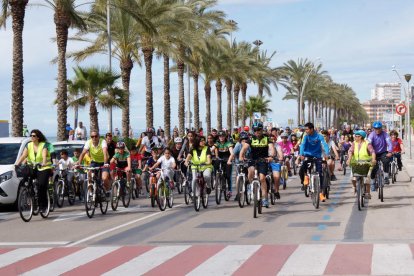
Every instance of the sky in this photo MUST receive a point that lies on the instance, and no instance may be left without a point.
(357, 42)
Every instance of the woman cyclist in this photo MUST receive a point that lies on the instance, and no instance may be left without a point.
(224, 149)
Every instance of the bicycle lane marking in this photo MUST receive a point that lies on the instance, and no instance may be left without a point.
(120, 226)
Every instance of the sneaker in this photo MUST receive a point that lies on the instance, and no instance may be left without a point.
(229, 194)
(387, 181)
(367, 196)
(302, 188)
(322, 197)
(333, 178)
(399, 169)
(277, 195)
(265, 203)
(172, 185)
(289, 173)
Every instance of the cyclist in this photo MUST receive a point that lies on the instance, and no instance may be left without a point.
(243, 139)
(122, 160)
(260, 146)
(98, 151)
(214, 133)
(311, 146)
(235, 135)
(224, 149)
(397, 148)
(168, 165)
(361, 150)
(287, 149)
(136, 165)
(381, 142)
(36, 152)
(148, 142)
(201, 155)
(345, 145)
(332, 155)
(64, 163)
(150, 162)
(276, 167)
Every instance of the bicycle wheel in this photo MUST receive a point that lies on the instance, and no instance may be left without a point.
(115, 195)
(25, 204)
(218, 188)
(179, 183)
(225, 190)
(147, 184)
(126, 194)
(393, 172)
(71, 195)
(204, 197)
(186, 193)
(240, 193)
(103, 204)
(90, 201)
(381, 190)
(315, 194)
(248, 192)
(197, 198)
(60, 193)
(360, 194)
(344, 166)
(170, 198)
(46, 213)
(294, 167)
(327, 186)
(133, 184)
(153, 195)
(162, 196)
(307, 190)
(259, 206)
(256, 201)
(51, 193)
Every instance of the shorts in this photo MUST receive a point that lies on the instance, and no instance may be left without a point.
(99, 164)
(275, 167)
(262, 167)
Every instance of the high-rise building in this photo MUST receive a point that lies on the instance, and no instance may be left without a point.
(381, 111)
(387, 91)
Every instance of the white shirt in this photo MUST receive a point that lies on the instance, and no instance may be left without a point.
(104, 145)
(166, 163)
(80, 133)
(147, 143)
(66, 164)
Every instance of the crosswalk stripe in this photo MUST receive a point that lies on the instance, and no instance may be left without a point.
(186, 261)
(18, 255)
(268, 260)
(226, 261)
(71, 261)
(308, 259)
(5, 250)
(392, 259)
(350, 259)
(148, 260)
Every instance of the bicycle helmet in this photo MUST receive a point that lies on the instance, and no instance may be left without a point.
(150, 130)
(284, 134)
(178, 140)
(120, 145)
(221, 133)
(246, 128)
(257, 126)
(243, 136)
(377, 124)
(362, 133)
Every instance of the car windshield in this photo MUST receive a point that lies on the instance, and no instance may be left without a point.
(69, 147)
(8, 153)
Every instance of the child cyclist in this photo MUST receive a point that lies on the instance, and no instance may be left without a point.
(168, 165)
(136, 163)
(122, 160)
(397, 147)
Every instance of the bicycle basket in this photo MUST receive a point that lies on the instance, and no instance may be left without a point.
(22, 171)
(361, 167)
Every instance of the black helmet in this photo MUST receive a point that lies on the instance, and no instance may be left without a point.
(221, 133)
(257, 126)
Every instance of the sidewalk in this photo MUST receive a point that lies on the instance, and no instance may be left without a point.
(408, 164)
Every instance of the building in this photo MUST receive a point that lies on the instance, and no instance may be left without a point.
(381, 111)
(386, 91)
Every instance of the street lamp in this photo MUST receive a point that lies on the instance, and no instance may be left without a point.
(257, 42)
(407, 99)
(233, 24)
(108, 27)
(406, 94)
(302, 90)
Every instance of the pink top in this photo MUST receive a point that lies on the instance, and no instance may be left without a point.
(286, 147)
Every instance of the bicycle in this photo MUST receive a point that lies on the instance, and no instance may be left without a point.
(28, 199)
(344, 165)
(284, 174)
(78, 184)
(243, 186)
(165, 192)
(270, 183)
(220, 186)
(120, 190)
(293, 163)
(379, 180)
(257, 190)
(187, 188)
(200, 195)
(326, 179)
(393, 168)
(179, 178)
(153, 192)
(95, 193)
(63, 188)
(360, 172)
(312, 188)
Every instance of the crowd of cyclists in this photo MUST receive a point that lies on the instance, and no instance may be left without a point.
(265, 150)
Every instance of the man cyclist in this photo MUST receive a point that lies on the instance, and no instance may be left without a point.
(311, 147)
(243, 139)
(98, 151)
(260, 147)
(381, 142)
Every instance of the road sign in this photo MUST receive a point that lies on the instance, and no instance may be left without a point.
(256, 115)
(269, 119)
(401, 109)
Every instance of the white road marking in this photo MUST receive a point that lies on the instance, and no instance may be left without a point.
(71, 261)
(392, 259)
(34, 243)
(69, 216)
(227, 261)
(308, 259)
(18, 255)
(118, 227)
(148, 260)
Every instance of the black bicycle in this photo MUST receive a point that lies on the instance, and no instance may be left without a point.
(95, 193)
(221, 182)
(64, 188)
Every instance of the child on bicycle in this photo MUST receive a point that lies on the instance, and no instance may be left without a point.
(136, 163)
(397, 147)
(65, 163)
(168, 165)
(122, 160)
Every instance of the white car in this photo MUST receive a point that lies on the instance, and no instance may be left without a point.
(10, 150)
(69, 146)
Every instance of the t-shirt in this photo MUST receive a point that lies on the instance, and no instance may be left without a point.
(396, 145)
(166, 163)
(66, 164)
(286, 147)
(134, 159)
(149, 144)
(237, 149)
(121, 157)
(104, 145)
(150, 162)
(224, 149)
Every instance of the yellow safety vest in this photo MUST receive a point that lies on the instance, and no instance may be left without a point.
(256, 143)
(361, 152)
(33, 157)
(96, 153)
(197, 160)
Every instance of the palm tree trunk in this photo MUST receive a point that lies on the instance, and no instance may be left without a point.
(229, 86)
(18, 9)
(326, 115)
(309, 110)
(260, 90)
(244, 95)
(148, 54)
(196, 103)
(126, 68)
(93, 116)
(236, 104)
(299, 121)
(330, 113)
(219, 86)
(207, 90)
(167, 104)
(181, 103)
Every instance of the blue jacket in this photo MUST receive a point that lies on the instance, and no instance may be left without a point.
(311, 145)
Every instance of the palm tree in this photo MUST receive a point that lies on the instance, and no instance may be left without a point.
(65, 17)
(16, 8)
(94, 83)
(257, 104)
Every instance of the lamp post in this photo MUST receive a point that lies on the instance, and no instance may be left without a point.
(108, 27)
(302, 90)
(233, 24)
(407, 102)
(406, 93)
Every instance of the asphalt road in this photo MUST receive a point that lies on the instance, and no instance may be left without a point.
(293, 220)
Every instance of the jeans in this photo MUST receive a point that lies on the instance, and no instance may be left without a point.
(304, 167)
(385, 161)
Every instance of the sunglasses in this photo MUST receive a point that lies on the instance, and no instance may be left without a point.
(33, 135)
(94, 136)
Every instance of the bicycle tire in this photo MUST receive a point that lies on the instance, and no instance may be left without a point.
(126, 195)
(248, 192)
(256, 202)
(51, 193)
(327, 186)
(71, 195)
(134, 188)
(204, 198)
(240, 193)
(186, 193)
(360, 195)
(344, 167)
(260, 207)
(307, 190)
(315, 194)
(162, 197)
(381, 187)
(89, 201)
(60, 193)
(196, 199)
(46, 214)
(218, 190)
(179, 183)
(170, 198)
(114, 195)
(25, 204)
(147, 184)
(225, 189)
(103, 205)
(153, 195)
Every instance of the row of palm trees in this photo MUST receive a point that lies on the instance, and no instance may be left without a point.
(188, 35)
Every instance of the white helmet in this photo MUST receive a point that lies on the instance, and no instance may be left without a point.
(178, 140)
